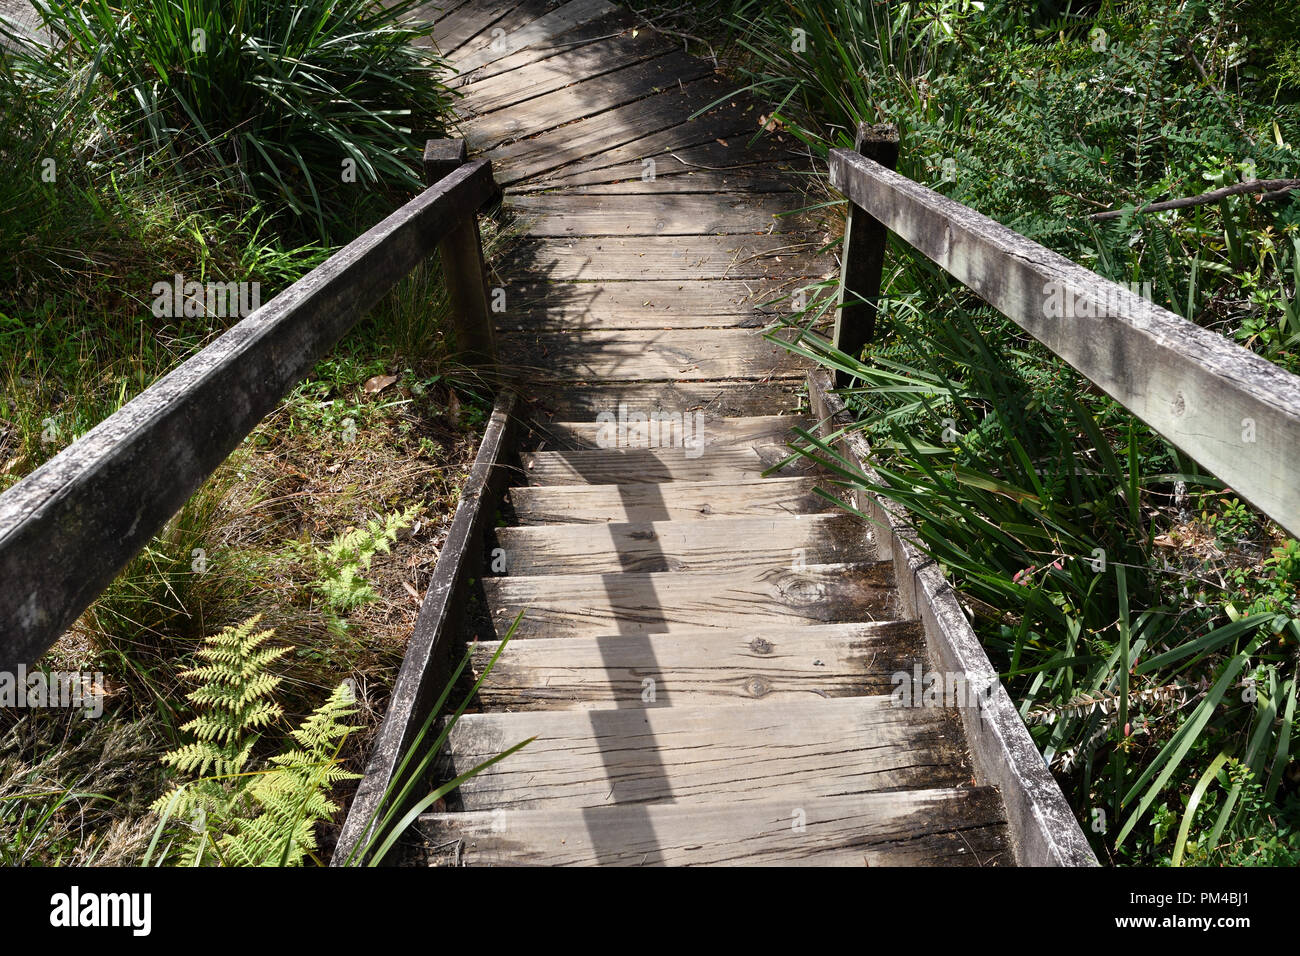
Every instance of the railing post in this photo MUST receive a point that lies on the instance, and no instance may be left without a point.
(864, 255)
(462, 264)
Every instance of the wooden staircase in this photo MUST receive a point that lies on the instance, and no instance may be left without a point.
(708, 648)
(706, 658)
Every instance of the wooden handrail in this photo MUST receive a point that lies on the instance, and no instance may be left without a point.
(1231, 410)
(68, 528)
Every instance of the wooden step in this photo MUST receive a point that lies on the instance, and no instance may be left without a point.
(685, 545)
(751, 180)
(601, 30)
(639, 427)
(683, 501)
(674, 159)
(628, 602)
(616, 466)
(586, 97)
(483, 93)
(537, 26)
(696, 668)
(599, 355)
(461, 25)
(791, 750)
(646, 304)
(737, 399)
(554, 149)
(667, 258)
(659, 213)
(934, 827)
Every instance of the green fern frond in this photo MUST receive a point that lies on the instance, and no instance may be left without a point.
(339, 566)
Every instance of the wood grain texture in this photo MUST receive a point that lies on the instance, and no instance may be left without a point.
(648, 355)
(937, 827)
(461, 25)
(685, 545)
(70, 526)
(638, 431)
(618, 127)
(673, 161)
(609, 26)
(630, 466)
(556, 72)
(1232, 410)
(528, 25)
(666, 257)
(590, 605)
(751, 180)
(568, 402)
(680, 501)
(800, 750)
(646, 304)
(660, 214)
(862, 257)
(700, 668)
(585, 98)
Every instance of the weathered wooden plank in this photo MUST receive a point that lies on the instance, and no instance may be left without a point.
(585, 98)
(752, 180)
(730, 131)
(558, 71)
(936, 827)
(710, 158)
(629, 428)
(607, 27)
(436, 627)
(684, 545)
(800, 750)
(461, 254)
(70, 526)
(591, 605)
(438, 9)
(683, 501)
(600, 356)
(863, 256)
(526, 27)
(616, 466)
(616, 127)
(570, 402)
(1233, 411)
(563, 214)
(702, 668)
(1044, 828)
(647, 304)
(666, 258)
(467, 21)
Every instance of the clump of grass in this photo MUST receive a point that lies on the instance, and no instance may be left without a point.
(74, 791)
(306, 108)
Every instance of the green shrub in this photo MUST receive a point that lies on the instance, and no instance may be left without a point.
(1140, 641)
(304, 107)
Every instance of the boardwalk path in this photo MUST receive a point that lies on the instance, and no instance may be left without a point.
(707, 652)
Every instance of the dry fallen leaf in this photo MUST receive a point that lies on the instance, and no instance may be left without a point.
(721, 142)
(378, 383)
(411, 591)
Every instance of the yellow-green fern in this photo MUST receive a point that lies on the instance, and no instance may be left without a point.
(235, 815)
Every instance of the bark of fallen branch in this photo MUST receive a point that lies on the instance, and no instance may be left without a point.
(1272, 189)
